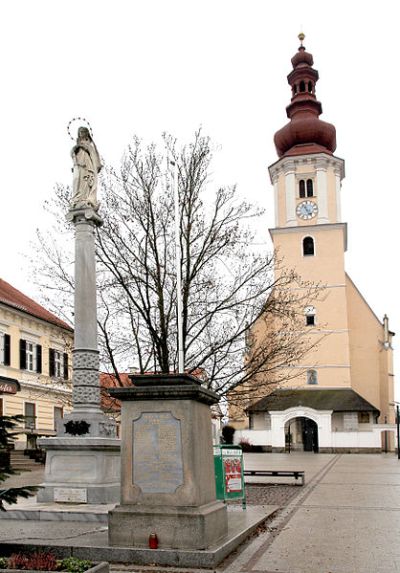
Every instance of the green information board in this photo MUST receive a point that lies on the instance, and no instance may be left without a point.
(228, 464)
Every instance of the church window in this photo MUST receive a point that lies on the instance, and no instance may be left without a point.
(312, 377)
(310, 188)
(309, 312)
(308, 246)
(302, 188)
(295, 89)
(310, 87)
(302, 86)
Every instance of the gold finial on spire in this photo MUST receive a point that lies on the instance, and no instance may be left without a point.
(301, 37)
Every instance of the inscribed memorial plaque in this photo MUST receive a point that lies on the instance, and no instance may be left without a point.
(70, 495)
(157, 453)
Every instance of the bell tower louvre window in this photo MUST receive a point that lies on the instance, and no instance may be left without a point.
(302, 188)
(310, 188)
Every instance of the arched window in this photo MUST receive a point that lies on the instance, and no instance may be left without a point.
(310, 87)
(310, 188)
(302, 188)
(312, 377)
(308, 246)
(302, 86)
(309, 312)
(294, 89)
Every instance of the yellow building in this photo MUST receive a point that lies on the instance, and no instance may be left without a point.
(35, 365)
(340, 399)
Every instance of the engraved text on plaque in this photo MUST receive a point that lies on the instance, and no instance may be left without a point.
(157, 453)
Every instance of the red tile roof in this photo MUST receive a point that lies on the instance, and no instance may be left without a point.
(110, 381)
(14, 298)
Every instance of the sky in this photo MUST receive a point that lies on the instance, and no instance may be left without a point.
(144, 67)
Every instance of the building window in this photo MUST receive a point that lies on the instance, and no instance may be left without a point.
(310, 188)
(363, 417)
(312, 377)
(5, 345)
(302, 188)
(308, 246)
(310, 87)
(1, 407)
(310, 315)
(302, 86)
(30, 415)
(58, 364)
(30, 356)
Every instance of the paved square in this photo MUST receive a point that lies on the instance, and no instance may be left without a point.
(345, 520)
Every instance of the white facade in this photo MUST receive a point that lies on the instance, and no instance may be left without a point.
(330, 439)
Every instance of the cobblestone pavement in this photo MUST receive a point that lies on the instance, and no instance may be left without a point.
(271, 494)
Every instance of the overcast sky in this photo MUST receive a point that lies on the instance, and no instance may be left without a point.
(144, 67)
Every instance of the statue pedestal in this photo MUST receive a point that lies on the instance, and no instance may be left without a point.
(81, 470)
(167, 466)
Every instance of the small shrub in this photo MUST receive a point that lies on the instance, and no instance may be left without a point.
(3, 562)
(227, 434)
(38, 561)
(245, 444)
(75, 565)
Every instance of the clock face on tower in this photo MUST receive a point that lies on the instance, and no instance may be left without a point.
(307, 210)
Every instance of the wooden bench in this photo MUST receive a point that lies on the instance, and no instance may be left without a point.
(277, 473)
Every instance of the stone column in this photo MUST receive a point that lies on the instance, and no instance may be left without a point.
(85, 361)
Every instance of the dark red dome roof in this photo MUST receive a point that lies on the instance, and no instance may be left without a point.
(305, 132)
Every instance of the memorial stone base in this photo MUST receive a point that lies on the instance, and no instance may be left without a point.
(81, 470)
(167, 466)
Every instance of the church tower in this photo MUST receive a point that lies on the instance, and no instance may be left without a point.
(338, 396)
(309, 235)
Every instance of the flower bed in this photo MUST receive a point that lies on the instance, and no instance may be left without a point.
(46, 562)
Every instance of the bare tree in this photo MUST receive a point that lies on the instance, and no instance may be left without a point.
(227, 286)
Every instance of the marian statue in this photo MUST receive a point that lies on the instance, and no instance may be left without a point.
(87, 165)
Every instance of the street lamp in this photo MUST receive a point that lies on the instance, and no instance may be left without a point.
(397, 404)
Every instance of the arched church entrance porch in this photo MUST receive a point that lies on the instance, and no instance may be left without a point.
(301, 434)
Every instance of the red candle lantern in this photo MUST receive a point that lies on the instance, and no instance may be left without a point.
(153, 541)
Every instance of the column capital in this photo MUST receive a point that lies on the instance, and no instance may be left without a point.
(84, 214)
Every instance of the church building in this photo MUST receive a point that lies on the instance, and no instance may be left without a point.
(342, 398)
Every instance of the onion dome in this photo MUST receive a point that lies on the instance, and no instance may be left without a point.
(305, 132)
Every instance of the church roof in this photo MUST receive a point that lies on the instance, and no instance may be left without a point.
(14, 298)
(336, 399)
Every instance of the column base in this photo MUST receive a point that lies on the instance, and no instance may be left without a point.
(81, 470)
